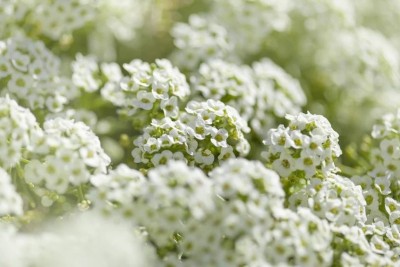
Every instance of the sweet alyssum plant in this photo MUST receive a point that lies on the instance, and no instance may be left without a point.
(207, 133)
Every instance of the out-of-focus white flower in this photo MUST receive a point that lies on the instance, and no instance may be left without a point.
(86, 239)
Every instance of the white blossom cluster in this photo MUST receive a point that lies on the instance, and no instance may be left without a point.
(31, 73)
(233, 217)
(89, 76)
(148, 89)
(336, 199)
(206, 134)
(305, 149)
(226, 82)
(66, 155)
(96, 24)
(261, 94)
(277, 94)
(18, 132)
(199, 41)
(387, 155)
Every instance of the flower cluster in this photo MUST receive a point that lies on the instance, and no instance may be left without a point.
(277, 94)
(260, 94)
(147, 89)
(90, 77)
(206, 134)
(119, 187)
(336, 199)
(31, 73)
(305, 149)
(234, 217)
(67, 155)
(199, 41)
(387, 155)
(18, 130)
(171, 195)
(227, 82)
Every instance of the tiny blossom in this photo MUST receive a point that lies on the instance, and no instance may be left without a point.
(306, 148)
(198, 41)
(18, 132)
(335, 199)
(229, 83)
(10, 201)
(148, 88)
(277, 94)
(207, 133)
(31, 73)
(67, 155)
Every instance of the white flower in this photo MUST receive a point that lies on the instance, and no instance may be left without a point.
(170, 107)
(144, 100)
(161, 158)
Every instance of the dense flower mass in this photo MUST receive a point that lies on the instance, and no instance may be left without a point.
(31, 73)
(19, 130)
(67, 154)
(206, 134)
(152, 133)
(148, 89)
(306, 148)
